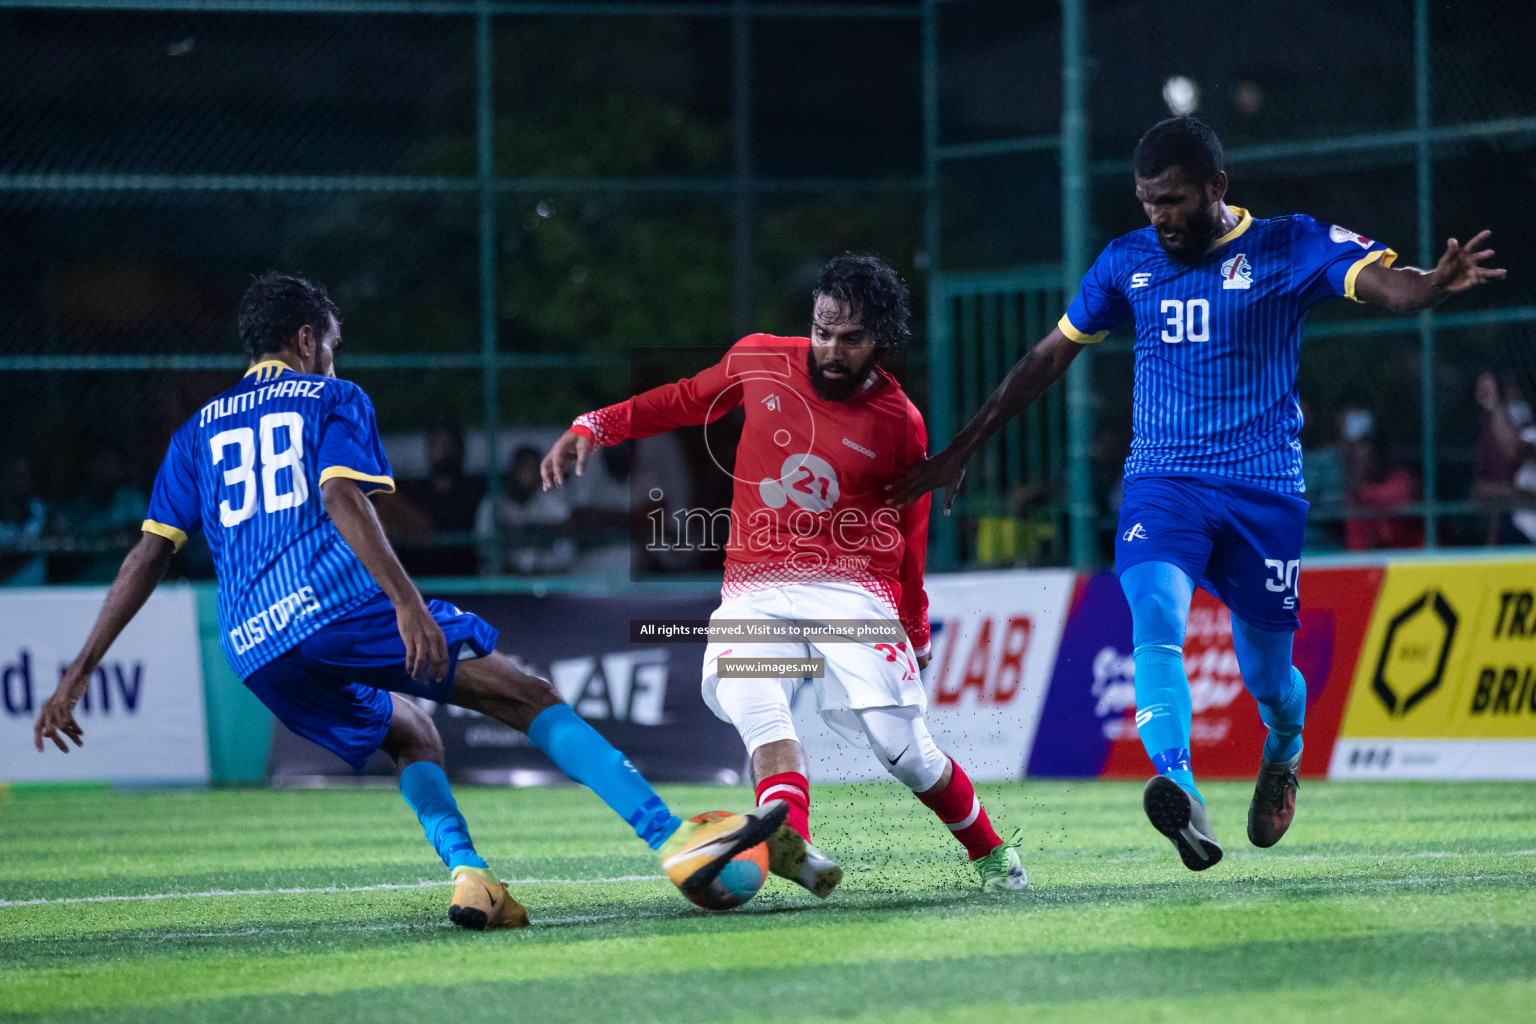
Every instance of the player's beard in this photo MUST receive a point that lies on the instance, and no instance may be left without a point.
(1199, 233)
(836, 389)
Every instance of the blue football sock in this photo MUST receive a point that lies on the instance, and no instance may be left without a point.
(592, 761)
(1159, 594)
(1265, 658)
(1163, 711)
(425, 788)
(1285, 720)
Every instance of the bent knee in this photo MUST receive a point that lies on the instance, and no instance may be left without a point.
(412, 736)
(759, 709)
(1156, 615)
(494, 685)
(900, 739)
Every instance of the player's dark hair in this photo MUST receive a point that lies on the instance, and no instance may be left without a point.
(1179, 142)
(276, 305)
(873, 293)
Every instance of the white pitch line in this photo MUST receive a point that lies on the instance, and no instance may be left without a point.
(213, 893)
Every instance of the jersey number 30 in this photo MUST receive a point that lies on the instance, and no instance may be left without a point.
(1186, 321)
(242, 472)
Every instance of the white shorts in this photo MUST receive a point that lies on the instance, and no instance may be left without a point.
(857, 675)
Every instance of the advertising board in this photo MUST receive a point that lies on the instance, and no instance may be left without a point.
(1446, 687)
(142, 714)
(644, 698)
(995, 636)
(1088, 727)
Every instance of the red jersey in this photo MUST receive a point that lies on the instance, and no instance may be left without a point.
(808, 499)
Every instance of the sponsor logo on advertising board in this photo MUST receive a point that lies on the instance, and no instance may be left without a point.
(142, 712)
(994, 642)
(1447, 685)
(1088, 726)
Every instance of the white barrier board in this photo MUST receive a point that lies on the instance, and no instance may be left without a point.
(142, 715)
(995, 636)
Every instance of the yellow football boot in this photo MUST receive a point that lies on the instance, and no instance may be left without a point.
(481, 902)
(694, 854)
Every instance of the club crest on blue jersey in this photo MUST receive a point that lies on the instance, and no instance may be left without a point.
(1237, 272)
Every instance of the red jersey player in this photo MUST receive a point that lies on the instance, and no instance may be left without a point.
(812, 541)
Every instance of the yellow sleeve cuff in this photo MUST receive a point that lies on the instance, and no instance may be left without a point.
(380, 483)
(1073, 334)
(170, 533)
(1387, 257)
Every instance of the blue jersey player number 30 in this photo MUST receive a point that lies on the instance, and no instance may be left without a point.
(1212, 484)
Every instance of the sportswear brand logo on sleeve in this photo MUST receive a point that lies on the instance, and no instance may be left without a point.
(1135, 533)
(772, 402)
(1237, 272)
(1340, 234)
(1140, 280)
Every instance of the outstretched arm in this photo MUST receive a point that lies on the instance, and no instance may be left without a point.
(426, 650)
(1028, 379)
(1410, 289)
(692, 401)
(136, 580)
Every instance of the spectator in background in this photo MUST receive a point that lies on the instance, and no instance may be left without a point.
(616, 495)
(106, 517)
(1322, 471)
(446, 502)
(533, 521)
(1375, 485)
(23, 520)
(1506, 461)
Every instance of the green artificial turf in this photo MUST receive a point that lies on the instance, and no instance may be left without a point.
(1387, 902)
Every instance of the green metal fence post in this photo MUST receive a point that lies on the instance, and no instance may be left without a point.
(1425, 184)
(941, 367)
(1074, 263)
(745, 204)
(485, 172)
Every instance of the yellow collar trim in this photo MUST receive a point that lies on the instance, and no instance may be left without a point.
(268, 368)
(1244, 222)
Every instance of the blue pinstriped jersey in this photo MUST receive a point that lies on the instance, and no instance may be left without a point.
(1218, 341)
(247, 470)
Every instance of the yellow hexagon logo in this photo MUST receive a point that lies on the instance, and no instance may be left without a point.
(1414, 652)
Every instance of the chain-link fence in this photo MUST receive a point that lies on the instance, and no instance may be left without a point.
(506, 197)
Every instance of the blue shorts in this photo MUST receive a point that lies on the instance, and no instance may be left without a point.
(333, 688)
(1238, 541)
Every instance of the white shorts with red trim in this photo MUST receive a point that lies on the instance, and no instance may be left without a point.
(857, 676)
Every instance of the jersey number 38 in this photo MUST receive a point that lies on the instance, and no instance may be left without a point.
(240, 471)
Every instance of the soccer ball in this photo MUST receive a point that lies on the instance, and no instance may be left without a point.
(739, 880)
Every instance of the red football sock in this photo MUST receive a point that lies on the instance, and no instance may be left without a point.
(795, 790)
(959, 809)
